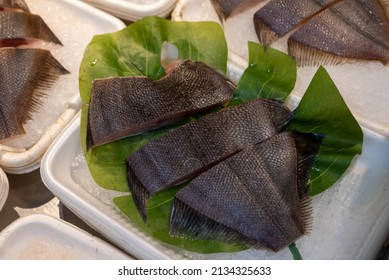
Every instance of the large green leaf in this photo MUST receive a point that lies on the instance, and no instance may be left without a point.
(270, 74)
(322, 110)
(136, 50)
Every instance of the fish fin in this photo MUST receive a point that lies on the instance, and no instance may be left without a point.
(44, 31)
(189, 223)
(49, 72)
(265, 34)
(89, 137)
(308, 56)
(307, 147)
(139, 193)
(385, 6)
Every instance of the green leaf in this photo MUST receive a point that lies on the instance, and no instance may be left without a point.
(322, 110)
(270, 74)
(159, 208)
(136, 50)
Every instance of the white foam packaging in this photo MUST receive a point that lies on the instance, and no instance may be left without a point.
(4, 188)
(42, 237)
(74, 23)
(133, 10)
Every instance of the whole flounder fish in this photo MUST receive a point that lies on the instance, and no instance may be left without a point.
(124, 106)
(191, 149)
(257, 196)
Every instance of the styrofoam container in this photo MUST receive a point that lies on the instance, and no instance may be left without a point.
(135, 9)
(42, 237)
(75, 23)
(4, 188)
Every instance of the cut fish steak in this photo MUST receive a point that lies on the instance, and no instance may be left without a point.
(191, 149)
(125, 106)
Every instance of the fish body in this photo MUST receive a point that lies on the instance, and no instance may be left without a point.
(279, 17)
(224, 8)
(124, 106)
(327, 31)
(24, 75)
(191, 149)
(19, 25)
(349, 30)
(257, 196)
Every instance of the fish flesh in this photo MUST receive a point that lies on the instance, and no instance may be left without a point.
(125, 106)
(15, 5)
(192, 148)
(24, 75)
(224, 8)
(327, 31)
(257, 196)
(21, 26)
(338, 35)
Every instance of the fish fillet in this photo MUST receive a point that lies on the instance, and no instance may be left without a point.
(349, 30)
(24, 75)
(190, 149)
(124, 106)
(18, 25)
(258, 196)
(279, 17)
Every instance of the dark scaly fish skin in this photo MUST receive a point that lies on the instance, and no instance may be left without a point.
(190, 149)
(327, 31)
(24, 75)
(17, 25)
(14, 4)
(124, 106)
(350, 30)
(224, 8)
(278, 17)
(258, 196)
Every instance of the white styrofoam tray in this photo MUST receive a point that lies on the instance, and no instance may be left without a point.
(74, 23)
(350, 220)
(135, 9)
(37, 237)
(4, 188)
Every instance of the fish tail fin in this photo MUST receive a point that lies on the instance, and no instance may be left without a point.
(307, 146)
